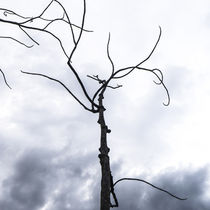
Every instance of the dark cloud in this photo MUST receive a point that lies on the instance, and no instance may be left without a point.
(26, 188)
(58, 179)
(190, 184)
(66, 180)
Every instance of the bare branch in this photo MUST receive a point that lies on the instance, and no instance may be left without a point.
(52, 21)
(68, 19)
(86, 30)
(96, 77)
(147, 58)
(114, 87)
(159, 77)
(100, 81)
(69, 22)
(62, 19)
(9, 37)
(5, 80)
(62, 84)
(29, 36)
(37, 29)
(22, 26)
(31, 19)
(162, 83)
(156, 44)
(46, 8)
(112, 192)
(10, 12)
(108, 54)
(158, 188)
(81, 30)
(82, 85)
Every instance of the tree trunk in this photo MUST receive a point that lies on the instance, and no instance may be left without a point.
(104, 159)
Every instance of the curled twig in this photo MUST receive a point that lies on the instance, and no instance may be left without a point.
(157, 72)
(5, 80)
(7, 12)
(160, 78)
(158, 188)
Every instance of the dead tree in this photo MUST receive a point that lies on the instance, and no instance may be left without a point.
(96, 105)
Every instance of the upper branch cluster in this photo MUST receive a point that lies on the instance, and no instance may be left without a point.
(123, 72)
(25, 25)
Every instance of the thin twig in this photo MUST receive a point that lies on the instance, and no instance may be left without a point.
(39, 16)
(10, 12)
(108, 54)
(29, 35)
(114, 87)
(9, 37)
(80, 34)
(160, 78)
(65, 21)
(68, 19)
(158, 188)
(5, 80)
(147, 58)
(37, 29)
(96, 77)
(82, 85)
(62, 84)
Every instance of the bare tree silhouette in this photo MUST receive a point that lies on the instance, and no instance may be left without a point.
(96, 101)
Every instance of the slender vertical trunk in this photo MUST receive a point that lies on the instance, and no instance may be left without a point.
(104, 159)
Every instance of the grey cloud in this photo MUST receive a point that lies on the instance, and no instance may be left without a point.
(65, 180)
(25, 189)
(181, 183)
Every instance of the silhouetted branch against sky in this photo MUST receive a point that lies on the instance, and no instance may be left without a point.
(26, 24)
(40, 143)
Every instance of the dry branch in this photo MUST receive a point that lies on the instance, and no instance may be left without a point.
(5, 80)
(107, 185)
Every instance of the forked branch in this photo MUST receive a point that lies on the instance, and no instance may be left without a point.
(26, 26)
(128, 70)
(140, 63)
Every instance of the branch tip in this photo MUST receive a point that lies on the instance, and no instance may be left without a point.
(5, 80)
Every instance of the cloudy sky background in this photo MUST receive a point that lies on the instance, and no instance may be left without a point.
(49, 144)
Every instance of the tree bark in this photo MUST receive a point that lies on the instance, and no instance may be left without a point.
(104, 159)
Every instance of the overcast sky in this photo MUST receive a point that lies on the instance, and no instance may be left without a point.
(49, 143)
